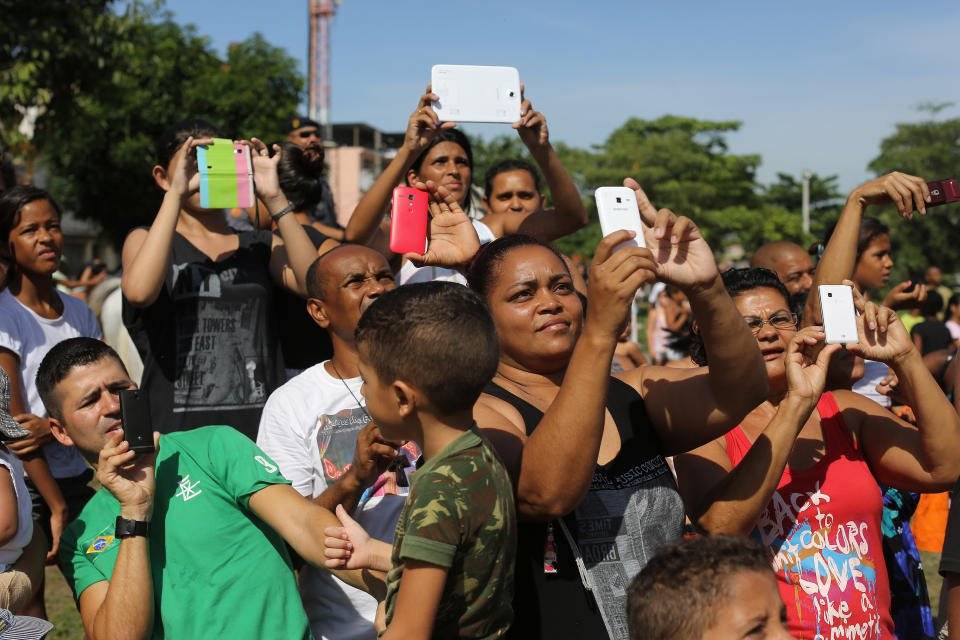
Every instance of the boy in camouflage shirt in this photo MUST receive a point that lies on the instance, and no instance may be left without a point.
(426, 353)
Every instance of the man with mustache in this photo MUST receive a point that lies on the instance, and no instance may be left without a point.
(306, 134)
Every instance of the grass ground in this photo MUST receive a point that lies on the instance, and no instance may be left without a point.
(60, 608)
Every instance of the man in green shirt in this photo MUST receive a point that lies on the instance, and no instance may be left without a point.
(185, 542)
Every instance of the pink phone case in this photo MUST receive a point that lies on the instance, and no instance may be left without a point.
(408, 228)
(241, 155)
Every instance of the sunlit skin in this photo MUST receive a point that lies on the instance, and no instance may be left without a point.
(90, 405)
(751, 610)
(448, 166)
(355, 277)
(765, 303)
(873, 268)
(536, 310)
(796, 271)
(36, 241)
(513, 192)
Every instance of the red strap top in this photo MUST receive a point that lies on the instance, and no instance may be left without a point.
(823, 527)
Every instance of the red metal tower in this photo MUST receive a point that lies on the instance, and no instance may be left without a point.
(321, 14)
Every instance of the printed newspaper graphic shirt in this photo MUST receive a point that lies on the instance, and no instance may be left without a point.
(209, 342)
(823, 526)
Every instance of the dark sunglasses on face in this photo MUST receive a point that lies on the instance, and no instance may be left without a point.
(312, 132)
(780, 321)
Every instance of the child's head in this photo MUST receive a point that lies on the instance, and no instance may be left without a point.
(707, 588)
(425, 347)
(30, 229)
(170, 142)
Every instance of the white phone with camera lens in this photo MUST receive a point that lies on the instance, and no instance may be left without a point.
(839, 314)
(476, 94)
(617, 209)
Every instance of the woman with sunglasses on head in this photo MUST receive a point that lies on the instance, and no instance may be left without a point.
(800, 472)
(594, 492)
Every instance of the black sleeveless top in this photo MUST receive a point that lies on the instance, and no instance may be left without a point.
(631, 509)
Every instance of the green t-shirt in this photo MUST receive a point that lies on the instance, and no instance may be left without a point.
(218, 570)
(460, 515)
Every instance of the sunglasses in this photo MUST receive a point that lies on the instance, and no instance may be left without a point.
(312, 132)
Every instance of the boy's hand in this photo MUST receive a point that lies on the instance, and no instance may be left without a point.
(351, 547)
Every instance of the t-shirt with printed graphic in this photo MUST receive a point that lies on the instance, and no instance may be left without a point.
(460, 515)
(823, 527)
(209, 343)
(309, 427)
(218, 570)
(30, 336)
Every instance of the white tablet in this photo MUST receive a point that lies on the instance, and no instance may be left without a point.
(476, 94)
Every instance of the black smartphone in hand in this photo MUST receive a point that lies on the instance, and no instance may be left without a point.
(137, 423)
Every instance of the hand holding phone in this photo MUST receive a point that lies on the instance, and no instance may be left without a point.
(617, 208)
(839, 314)
(137, 423)
(408, 225)
(226, 175)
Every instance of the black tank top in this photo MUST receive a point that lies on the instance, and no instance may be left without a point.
(556, 605)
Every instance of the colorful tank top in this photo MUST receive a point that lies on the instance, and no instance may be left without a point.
(823, 527)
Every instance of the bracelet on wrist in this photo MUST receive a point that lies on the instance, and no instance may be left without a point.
(279, 214)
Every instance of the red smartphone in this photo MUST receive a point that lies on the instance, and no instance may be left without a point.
(943, 192)
(408, 227)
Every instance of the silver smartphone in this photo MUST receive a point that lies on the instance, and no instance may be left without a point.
(839, 314)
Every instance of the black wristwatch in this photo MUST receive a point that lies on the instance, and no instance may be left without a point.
(130, 528)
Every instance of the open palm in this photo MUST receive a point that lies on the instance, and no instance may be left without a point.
(452, 239)
(683, 257)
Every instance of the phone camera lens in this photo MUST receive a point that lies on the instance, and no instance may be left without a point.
(410, 196)
(829, 295)
(619, 200)
(511, 94)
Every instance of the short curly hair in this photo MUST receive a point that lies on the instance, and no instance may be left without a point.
(675, 596)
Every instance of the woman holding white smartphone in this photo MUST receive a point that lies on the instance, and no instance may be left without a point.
(800, 472)
(436, 151)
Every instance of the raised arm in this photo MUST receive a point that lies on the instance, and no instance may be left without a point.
(122, 608)
(572, 427)
(422, 128)
(840, 255)
(736, 380)
(568, 214)
(146, 253)
(922, 458)
(292, 253)
(721, 498)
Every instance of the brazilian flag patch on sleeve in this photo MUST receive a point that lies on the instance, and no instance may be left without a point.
(99, 544)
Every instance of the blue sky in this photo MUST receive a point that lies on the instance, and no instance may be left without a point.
(816, 84)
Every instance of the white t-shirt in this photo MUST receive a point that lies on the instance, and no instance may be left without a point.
(873, 373)
(309, 427)
(410, 274)
(10, 552)
(30, 337)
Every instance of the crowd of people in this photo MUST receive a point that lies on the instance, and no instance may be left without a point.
(339, 428)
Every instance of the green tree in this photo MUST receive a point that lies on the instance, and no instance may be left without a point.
(97, 134)
(931, 149)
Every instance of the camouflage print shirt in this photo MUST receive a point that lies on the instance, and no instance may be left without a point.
(460, 515)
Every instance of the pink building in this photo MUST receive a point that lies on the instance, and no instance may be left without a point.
(356, 158)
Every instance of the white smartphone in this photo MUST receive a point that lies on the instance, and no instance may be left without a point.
(476, 94)
(839, 314)
(617, 209)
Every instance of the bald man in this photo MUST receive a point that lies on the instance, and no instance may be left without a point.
(790, 262)
(317, 430)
